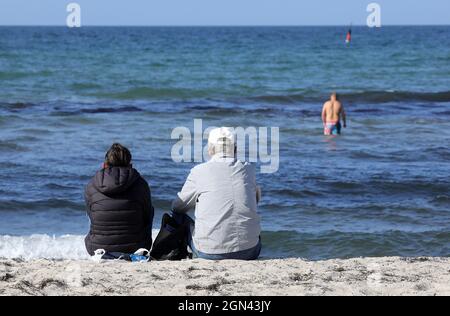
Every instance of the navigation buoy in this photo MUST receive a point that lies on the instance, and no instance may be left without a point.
(348, 39)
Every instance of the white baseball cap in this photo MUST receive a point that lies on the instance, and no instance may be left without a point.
(218, 135)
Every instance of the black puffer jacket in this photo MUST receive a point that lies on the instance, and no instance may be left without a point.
(121, 212)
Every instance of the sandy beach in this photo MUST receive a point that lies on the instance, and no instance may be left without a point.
(372, 276)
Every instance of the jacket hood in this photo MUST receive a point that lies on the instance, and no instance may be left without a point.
(115, 180)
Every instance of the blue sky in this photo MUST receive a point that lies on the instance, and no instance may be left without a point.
(223, 12)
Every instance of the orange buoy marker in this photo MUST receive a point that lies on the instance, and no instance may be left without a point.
(348, 39)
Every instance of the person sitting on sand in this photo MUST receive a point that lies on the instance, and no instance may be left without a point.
(119, 206)
(224, 194)
(332, 113)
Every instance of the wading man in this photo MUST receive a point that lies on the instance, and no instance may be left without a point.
(332, 114)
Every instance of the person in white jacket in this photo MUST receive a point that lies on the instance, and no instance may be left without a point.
(224, 195)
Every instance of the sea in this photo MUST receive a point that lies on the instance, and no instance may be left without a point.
(379, 189)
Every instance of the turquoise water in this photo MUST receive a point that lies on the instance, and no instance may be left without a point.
(380, 189)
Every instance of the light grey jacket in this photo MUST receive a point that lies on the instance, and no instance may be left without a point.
(223, 193)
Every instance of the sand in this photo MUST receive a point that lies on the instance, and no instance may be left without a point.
(371, 276)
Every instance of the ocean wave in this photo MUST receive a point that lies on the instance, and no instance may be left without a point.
(317, 246)
(292, 193)
(168, 100)
(20, 75)
(25, 139)
(366, 97)
(43, 247)
(16, 107)
(35, 131)
(55, 186)
(95, 110)
(441, 199)
(121, 109)
(67, 247)
(283, 97)
(439, 152)
(7, 146)
(343, 245)
(57, 204)
(407, 187)
(359, 154)
(411, 187)
(12, 75)
(85, 86)
(366, 111)
(227, 111)
(146, 93)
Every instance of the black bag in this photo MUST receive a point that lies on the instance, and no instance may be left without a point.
(172, 241)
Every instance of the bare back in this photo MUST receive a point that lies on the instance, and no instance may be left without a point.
(332, 111)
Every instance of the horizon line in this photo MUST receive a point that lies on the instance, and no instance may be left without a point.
(237, 25)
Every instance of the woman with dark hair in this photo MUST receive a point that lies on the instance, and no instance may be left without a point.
(119, 206)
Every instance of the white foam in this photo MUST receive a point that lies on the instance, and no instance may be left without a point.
(43, 247)
(67, 247)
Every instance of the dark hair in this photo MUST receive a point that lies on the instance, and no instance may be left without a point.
(118, 156)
